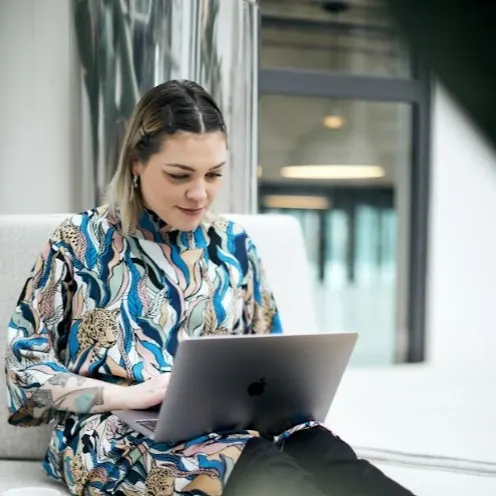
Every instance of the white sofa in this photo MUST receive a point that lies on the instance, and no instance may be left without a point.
(430, 428)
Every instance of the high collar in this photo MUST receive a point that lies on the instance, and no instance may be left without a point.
(153, 228)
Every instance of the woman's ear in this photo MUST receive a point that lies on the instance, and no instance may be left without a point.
(136, 167)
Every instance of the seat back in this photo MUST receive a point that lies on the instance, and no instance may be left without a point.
(21, 239)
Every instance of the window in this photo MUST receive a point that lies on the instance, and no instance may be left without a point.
(343, 147)
(353, 37)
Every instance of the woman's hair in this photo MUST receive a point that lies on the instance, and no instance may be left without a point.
(163, 111)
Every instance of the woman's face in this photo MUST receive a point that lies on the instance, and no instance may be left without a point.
(180, 182)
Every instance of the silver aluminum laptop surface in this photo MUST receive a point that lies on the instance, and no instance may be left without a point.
(267, 383)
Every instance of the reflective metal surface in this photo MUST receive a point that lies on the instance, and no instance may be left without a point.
(127, 46)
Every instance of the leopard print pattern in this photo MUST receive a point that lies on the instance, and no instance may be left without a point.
(79, 473)
(71, 235)
(218, 331)
(265, 314)
(98, 330)
(159, 482)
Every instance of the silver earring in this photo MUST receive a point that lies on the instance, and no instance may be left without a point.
(135, 181)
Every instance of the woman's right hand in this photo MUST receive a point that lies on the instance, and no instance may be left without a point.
(147, 394)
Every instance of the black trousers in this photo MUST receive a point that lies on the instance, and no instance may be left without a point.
(311, 462)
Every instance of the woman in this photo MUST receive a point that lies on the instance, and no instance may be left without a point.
(114, 291)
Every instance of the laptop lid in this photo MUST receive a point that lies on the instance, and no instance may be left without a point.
(267, 383)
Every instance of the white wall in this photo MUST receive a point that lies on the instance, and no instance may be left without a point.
(462, 252)
(37, 82)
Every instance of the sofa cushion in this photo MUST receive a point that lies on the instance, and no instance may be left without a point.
(18, 474)
(280, 243)
(435, 482)
(429, 428)
(21, 239)
(421, 415)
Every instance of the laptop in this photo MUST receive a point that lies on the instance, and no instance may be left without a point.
(267, 383)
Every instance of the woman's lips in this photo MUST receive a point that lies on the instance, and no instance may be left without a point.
(192, 212)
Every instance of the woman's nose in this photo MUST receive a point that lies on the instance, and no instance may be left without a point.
(198, 192)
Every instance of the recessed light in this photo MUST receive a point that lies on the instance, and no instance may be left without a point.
(297, 202)
(333, 172)
(333, 121)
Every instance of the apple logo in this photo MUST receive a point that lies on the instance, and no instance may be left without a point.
(257, 388)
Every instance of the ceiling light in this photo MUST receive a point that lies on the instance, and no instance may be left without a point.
(333, 121)
(333, 172)
(297, 202)
(348, 153)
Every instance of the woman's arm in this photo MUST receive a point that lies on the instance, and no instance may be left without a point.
(39, 322)
(38, 382)
(73, 393)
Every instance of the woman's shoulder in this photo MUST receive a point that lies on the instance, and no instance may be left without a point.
(234, 238)
(84, 224)
(226, 227)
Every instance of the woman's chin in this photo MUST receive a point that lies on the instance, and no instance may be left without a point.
(187, 221)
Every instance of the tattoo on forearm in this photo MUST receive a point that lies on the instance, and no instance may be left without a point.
(43, 398)
(88, 399)
(80, 380)
(63, 379)
(60, 380)
(80, 400)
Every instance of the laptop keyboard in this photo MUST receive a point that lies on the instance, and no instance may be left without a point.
(148, 424)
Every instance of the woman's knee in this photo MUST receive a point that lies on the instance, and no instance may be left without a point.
(318, 445)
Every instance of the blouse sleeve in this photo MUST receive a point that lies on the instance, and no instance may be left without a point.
(261, 314)
(37, 327)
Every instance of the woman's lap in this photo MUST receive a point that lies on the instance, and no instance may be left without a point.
(313, 462)
(264, 469)
(203, 466)
(105, 457)
(337, 468)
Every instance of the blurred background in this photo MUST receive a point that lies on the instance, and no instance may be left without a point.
(333, 118)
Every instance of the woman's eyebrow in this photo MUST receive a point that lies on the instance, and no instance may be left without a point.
(192, 169)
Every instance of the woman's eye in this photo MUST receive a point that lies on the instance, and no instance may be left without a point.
(183, 177)
(178, 177)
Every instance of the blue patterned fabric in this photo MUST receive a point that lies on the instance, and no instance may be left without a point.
(112, 307)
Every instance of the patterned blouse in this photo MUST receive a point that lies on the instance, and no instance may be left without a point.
(112, 307)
